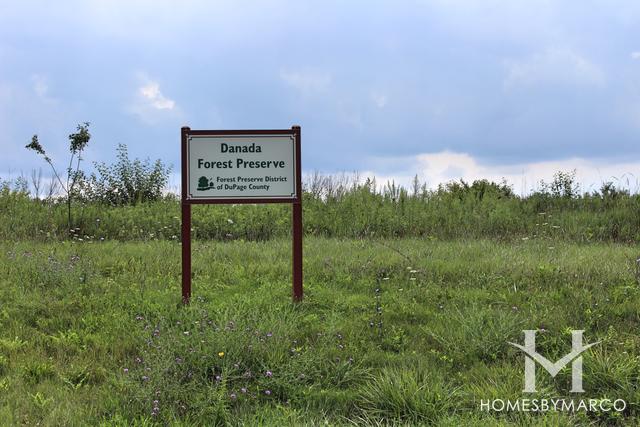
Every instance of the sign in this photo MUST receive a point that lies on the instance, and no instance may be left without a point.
(247, 166)
(237, 166)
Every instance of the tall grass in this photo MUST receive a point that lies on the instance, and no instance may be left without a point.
(346, 208)
(94, 333)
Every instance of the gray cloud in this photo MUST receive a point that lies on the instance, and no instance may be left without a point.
(504, 82)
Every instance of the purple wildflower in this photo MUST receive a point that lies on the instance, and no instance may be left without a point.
(269, 374)
(267, 392)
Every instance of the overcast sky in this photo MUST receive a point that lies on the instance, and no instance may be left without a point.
(444, 89)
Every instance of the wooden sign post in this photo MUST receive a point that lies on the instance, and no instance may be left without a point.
(241, 166)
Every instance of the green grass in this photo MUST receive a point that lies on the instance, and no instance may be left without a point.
(356, 212)
(403, 332)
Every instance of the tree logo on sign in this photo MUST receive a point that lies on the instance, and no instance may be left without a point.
(204, 184)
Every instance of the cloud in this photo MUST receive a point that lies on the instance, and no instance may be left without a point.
(554, 65)
(150, 104)
(313, 85)
(508, 81)
(445, 166)
(307, 82)
(379, 99)
(151, 92)
(40, 85)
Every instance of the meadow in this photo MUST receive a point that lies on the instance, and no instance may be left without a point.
(408, 331)
(411, 300)
(343, 207)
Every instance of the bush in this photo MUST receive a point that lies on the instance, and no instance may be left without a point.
(127, 182)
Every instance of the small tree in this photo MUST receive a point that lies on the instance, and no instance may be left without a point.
(564, 185)
(77, 143)
(127, 182)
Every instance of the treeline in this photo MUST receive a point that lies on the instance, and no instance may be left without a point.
(334, 206)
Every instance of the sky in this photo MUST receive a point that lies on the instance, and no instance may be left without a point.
(442, 89)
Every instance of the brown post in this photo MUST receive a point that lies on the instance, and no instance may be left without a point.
(296, 225)
(186, 224)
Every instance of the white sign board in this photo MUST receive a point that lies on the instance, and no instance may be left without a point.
(241, 167)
